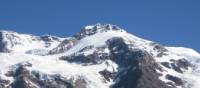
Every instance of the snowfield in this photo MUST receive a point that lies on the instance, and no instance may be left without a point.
(53, 66)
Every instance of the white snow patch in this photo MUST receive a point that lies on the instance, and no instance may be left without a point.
(53, 66)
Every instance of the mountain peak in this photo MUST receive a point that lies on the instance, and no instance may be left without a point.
(100, 26)
(97, 28)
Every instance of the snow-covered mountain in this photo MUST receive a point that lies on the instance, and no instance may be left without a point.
(99, 56)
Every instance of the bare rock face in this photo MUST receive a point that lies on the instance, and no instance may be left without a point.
(96, 57)
(82, 59)
(175, 79)
(79, 83)
(160, 49)
(49, 38)
(140, 67)
(24, 79)
(64, 46)
(108, 76)
(180, 65)
(141, 73)
(3, 83)
(3, 44)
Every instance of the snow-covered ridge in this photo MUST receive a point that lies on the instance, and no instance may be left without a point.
(22, 43)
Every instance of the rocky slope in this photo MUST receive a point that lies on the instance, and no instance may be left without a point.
(99, 56)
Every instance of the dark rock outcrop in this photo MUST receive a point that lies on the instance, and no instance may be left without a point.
(3, 44)
(108, 76)
(160, 49)
(179, 65)
(176, 80)
(166, 64)
(3, 83)
(140, 67)
(26, 79)
(96, 57)
(63, 46)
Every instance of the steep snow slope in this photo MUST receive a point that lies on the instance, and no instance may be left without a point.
(88, 55)
(97, 35)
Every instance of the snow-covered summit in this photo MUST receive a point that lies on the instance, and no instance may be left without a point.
(97, 28)
(96, 36)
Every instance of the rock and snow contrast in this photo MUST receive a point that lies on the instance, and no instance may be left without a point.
(99, 56)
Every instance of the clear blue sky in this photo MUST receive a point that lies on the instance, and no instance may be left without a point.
(170, 22)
